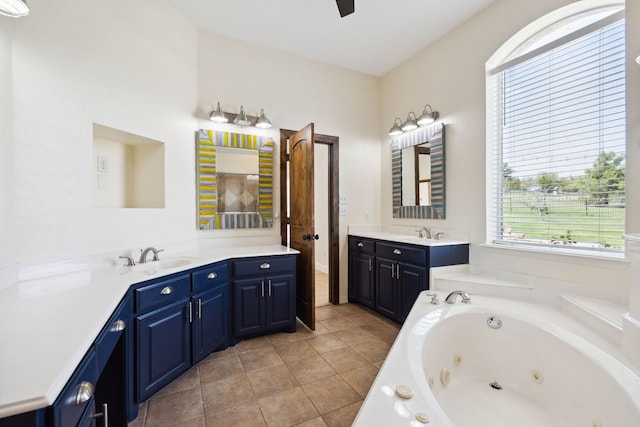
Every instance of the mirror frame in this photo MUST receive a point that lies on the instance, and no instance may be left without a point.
(434, 135)
(206, 185)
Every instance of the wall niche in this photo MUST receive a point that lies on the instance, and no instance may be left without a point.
(128, 170)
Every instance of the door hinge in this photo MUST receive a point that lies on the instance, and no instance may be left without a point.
(287, 157)
(288, 221)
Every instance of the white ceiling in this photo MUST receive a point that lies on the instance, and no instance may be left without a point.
(379, 36)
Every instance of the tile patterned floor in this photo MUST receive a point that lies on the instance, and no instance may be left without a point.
(317, 378)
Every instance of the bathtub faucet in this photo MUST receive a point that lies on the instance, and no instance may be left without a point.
(451, 298)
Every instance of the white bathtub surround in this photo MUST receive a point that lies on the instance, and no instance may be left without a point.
(601, 310)
(409, 234)
(631, 327)
(547, 369)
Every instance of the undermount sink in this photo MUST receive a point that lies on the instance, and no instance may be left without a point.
(415, 239)
(163, 264)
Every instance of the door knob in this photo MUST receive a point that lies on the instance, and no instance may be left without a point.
(316, 237)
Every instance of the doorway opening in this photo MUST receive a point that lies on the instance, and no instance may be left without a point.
(326, 213)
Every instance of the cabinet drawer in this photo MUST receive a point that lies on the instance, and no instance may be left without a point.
(163, 292)
(361, 245)
(78, 393)
(402, 253)
(263, 266)
(111, 333)
(210, 276)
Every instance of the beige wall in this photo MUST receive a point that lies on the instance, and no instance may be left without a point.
(321, 205)
(295, 91)
(150, 72)
(6, 145)
(450, 76)
(76, 63)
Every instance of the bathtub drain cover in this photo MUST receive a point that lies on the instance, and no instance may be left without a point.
(495, 385)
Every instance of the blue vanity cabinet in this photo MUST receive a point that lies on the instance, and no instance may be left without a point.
(114, 357)
(163, 332)
(386, 288)
(210, 329)
(77, 398)
(362, 277)
(180, 320)
(401, 272)
(263, 295)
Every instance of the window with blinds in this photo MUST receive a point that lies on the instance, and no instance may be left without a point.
(557, 140)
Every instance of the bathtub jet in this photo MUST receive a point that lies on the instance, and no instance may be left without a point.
(495, 385)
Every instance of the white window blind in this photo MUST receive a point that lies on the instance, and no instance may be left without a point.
(557, 145)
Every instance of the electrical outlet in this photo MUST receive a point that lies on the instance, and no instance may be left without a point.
(343, 199)
(365, 216)
(343, 210)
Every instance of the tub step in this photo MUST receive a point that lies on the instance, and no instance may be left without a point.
(605, 317)
(480, 284)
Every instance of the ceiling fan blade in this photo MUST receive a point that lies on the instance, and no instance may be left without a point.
(345, 7)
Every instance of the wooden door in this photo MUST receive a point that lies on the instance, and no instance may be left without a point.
(301, 220)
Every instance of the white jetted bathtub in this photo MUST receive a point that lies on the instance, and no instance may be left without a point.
(497, 362)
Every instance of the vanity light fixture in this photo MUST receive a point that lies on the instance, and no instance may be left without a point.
(427, 117)
(263, 122)
(240, 119)
(410, 124)
(217, 115)
(14, 8)
(395, 129)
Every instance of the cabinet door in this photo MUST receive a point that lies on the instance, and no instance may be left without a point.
(361, 279)
(386, 293)
(210, 325)
(280, 309)
(248, 306)
(163, 347)
(412, 280)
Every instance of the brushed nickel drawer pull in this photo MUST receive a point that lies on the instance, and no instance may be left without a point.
(104, 413)
(265, 266)
(360, 245)
(118, 325)
(167, 290)
(212, 275)
(397, 251)
(85, 392)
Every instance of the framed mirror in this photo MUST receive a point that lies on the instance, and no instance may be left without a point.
(234, 180)
(418, 173)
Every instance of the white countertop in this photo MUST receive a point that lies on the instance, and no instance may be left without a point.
(48, 324)
(404, 238)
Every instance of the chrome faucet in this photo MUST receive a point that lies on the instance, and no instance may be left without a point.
(451, 298)
(427, 233)
(129, 259)
(144, 253)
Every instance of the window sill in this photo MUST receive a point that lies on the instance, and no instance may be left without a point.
(571, 256)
